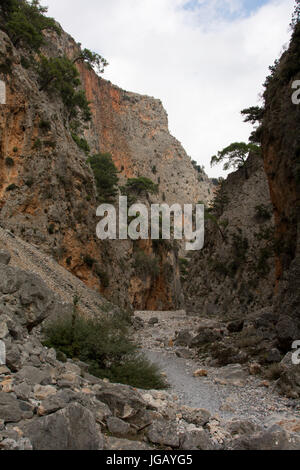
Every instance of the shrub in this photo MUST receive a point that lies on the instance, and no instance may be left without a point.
(51, 229)
(81, 143)
(105, 346)
(15, 149)
(45, 125)
(262, 212)
(37, 145)
(140, 185)
(60, 75)
(106, 176)
(26, 21)
(89, 261)
(9, 162)
(12, 187)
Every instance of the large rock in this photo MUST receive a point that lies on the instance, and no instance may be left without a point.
(13, 410)
(123, 401)
(198, 439)
(73, 428)
(164, 433)
(205, 336)
(232, 374)
(289, 382)
(274, 438)
(184, 338)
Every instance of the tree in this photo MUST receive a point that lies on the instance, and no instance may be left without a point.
(296, 15)
(236, 155)
(92, 60)
(26, 22)
(60, 74)
(253, 114)
(106, 176)
(140, 185)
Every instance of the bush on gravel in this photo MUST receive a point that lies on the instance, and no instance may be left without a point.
(105, 346)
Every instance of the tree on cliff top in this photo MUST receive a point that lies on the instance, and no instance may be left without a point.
(25, 22)
(236, 155)
(92, 60)
(296, 15)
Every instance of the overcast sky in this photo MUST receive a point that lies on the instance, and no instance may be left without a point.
(205, 59)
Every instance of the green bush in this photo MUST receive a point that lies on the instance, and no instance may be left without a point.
(141, 185)
(60, 75)
(105, 346)
(25, 21)
(89, 261)
(45, 125)
(262, 212)
(12, 187)
(106, 176)
(9, 162)
(81, 143)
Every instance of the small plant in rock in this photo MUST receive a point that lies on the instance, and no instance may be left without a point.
(45, 125)
(106, 176)
(9, 162)
(262, 212)
(81, 143)
(141, 185)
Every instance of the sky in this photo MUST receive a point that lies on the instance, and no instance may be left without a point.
(205, 59)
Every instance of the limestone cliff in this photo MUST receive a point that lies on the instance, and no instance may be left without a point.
(234, 273)
(281, 149)
(47, 190)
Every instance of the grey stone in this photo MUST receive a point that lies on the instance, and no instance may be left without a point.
(123, 401)
(205, 336)
(73, 428)
(117, 427)
(113, 443)
(5, 257)
(23, 391)
(197, 439)
(163, 433)
(153, 321)
(184, 338)
(34, 376)
(232, 374)
(274, 438)
(21, 444)
(13, 410)
(273, 356)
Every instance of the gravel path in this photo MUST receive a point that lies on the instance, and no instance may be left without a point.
(249, 400)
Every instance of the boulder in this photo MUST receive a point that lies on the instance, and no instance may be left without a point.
(73, 428)
(13, 410)
(273, 438)
(164, 433)
(117, 427)
(205, 336)
(184, 338)
(198, 439)
(273, 356)
(123, 401)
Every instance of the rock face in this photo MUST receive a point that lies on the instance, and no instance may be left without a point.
(47, 190)
(234, 273)
(281, 149)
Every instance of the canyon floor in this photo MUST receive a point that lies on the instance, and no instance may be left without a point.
(227, 392)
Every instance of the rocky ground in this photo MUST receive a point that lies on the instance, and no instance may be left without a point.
(46, 403)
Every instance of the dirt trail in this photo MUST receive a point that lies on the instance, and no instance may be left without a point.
(245, 399)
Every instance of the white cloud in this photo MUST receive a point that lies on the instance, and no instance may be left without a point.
(205, 68)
